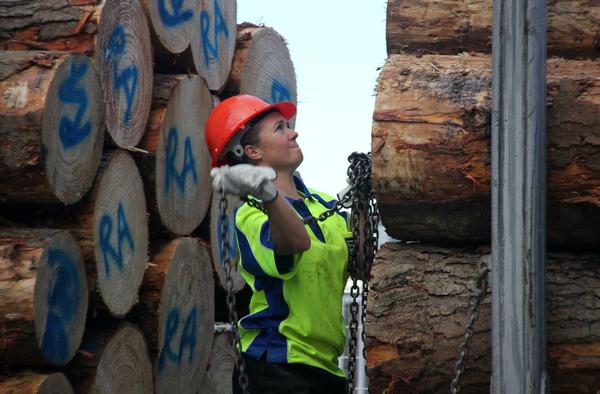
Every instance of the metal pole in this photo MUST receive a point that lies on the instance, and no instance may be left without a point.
(518, 196)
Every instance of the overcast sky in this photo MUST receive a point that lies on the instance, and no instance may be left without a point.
(336, 47)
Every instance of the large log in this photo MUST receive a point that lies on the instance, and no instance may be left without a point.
(110, 226)
(124, 56)
(64, 25)
(30, 382)
(173, 22)
(262, 66)
(418, 309)
(52, 126)
(146, 313)
(176, 162)
(44, 296)
(218, 378)
(112, 360)
(431, 149)
(213, 42)
(186, 320)
(120, 233)
(454, 26)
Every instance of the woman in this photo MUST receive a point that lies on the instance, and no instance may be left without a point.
(294, 334)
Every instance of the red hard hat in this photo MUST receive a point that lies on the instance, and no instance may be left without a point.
(232, 115)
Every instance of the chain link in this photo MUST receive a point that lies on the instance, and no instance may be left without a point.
(480, 292)
(353, 327)
(230, 299)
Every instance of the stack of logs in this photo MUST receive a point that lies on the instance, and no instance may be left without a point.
(111, 268)
(431, 175)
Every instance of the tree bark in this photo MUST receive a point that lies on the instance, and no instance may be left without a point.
(44, 296)
(451, 27)
(262, 66)
(65, 25)
(431, 150)
(418, 309)
(176, 163)
(52, 126)
(112, 359)
(30, 382)
(125, 66)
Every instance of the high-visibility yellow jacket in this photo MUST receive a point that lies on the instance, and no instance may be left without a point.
(296, 306)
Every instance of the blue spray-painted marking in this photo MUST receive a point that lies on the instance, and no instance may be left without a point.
(211, 50)
(188, 338)
(279, 92)
(232, 249)
(72, 132)
(123, 234)
(63, 302)
(189, 162)
(126, 79)
(177, 17)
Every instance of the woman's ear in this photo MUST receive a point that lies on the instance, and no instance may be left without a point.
(252, 152)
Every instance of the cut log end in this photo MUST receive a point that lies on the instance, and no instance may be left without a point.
(60, 299)
(124, 57)
(120, 233)
(213, 43)
(45, 296)
(183, 183)
(218, 379)
(73, 128)
(52, 126)
(186, 320)
(173, 23)
(216, 239)
(262, 66)
(125, 365)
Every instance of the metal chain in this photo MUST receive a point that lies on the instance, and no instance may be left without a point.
(364, 212)
(363, 315)
(353, 327)
(480, 292)
(359, 173)
(230, 299)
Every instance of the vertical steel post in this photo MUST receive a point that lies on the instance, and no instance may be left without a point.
(518, 196)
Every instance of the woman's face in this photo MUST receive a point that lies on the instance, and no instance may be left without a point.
(277, 146)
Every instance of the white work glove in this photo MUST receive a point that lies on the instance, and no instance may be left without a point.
(243, 179)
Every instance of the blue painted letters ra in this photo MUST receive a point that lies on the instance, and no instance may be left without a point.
(176, 16)
(123, 234)
(211, 49)
(188, 339)
(279, 92)
(126, 78)
(189, 162)
(62, 306)
(71, 132)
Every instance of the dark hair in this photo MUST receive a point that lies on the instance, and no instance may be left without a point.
(250, 137)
